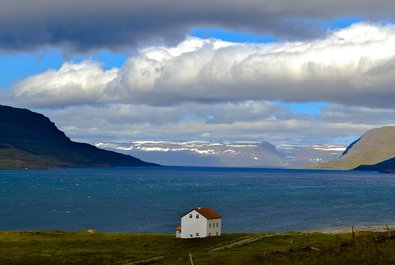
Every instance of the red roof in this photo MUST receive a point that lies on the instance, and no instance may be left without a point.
(178, 228)
(208, 213)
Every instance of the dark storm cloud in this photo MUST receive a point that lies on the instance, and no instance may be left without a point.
(90, 24)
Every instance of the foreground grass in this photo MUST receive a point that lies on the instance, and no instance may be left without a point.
(56, 247)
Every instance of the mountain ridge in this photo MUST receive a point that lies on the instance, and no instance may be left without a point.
(226, 153)
(374, 147)
(31, 140)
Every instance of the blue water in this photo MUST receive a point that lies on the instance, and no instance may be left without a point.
(153, 199)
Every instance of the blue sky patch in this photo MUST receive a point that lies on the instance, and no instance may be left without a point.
(108, 58)
(250, 37)
(344, 22)
(231, 36)
(14, 67)
(311, 108)
(17, 66)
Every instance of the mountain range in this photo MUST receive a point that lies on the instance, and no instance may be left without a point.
(374, 150)
(227, 153)
(31, 140)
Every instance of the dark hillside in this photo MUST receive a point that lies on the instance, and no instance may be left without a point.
(31, 140)
(387, 166)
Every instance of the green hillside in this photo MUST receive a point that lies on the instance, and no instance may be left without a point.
(373, 147)
(31, 140)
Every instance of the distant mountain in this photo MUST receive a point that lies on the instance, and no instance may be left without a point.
(226, 154)
(31, 140)
(310, 155)
(374, 147)
(201, 153)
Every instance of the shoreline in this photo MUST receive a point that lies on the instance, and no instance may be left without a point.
(331, 230)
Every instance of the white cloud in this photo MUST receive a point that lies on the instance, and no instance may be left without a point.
(358, 115)
(352, 66)
(211, 89)
(72, 84)
(252, 120)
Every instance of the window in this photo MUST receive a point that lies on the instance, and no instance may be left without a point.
(209, 226)
(217, 224)
(209, 234)
(190, 215)
(197, 216)
(216, 234)
(197, 234)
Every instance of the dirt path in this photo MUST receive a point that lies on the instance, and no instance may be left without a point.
(145, 261)
(239, 243)
(232, 245)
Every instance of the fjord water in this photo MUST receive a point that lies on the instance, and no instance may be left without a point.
(153, 199)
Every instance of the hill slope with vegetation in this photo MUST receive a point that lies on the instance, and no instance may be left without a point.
(375, 146)
(31, 140)
(95, 248)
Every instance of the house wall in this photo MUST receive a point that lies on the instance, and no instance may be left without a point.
(214, 227)
(199, 227)
(193, 227)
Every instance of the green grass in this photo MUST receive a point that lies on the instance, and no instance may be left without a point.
(57, 247)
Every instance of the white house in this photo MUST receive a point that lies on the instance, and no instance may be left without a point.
(199, 222)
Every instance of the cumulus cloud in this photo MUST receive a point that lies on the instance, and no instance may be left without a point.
(71, 84)
(93, 24)
(352, 66)
(214, 90)
(358, 115)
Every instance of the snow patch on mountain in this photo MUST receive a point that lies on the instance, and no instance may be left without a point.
(226, 153)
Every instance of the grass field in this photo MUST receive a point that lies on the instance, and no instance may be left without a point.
(83, 247)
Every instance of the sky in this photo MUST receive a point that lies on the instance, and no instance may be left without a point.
(295, 72)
